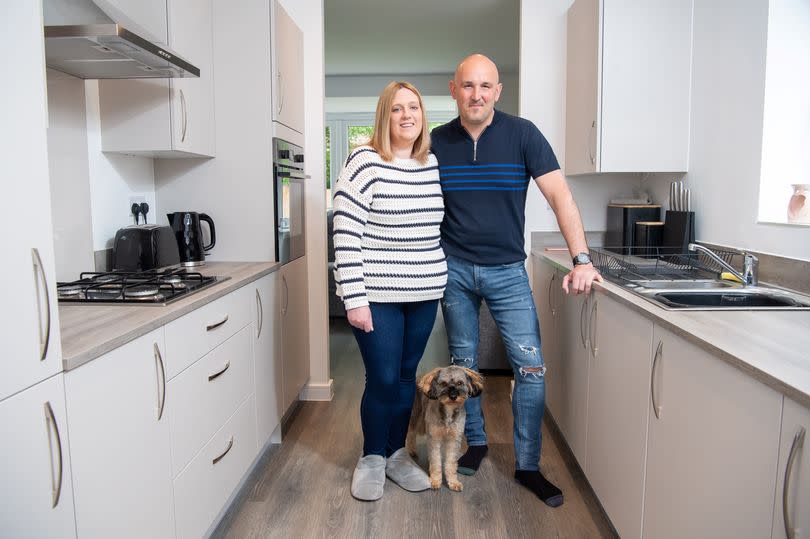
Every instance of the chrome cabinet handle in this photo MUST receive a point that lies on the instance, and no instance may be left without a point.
(161, 375)
(211, 327)
(184, 114)
(280, 92)
(56, 482)
(260, 312)
(230, 445)
(592, 330)
(582, 323)
(45, 339)
(220, 373)
(592, 154)
(658, 352)
(548, 299)
(286, 295)
(798, 441)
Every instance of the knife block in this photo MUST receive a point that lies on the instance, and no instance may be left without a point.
(678, 233)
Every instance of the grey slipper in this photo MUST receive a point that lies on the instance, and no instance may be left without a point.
(403, 471)
(369, 478)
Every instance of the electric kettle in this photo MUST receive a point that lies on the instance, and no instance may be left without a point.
(187, 227)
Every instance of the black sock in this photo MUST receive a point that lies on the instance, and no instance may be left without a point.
(470, 461)
(534, 481)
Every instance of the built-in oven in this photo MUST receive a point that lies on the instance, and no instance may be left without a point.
(290, 183)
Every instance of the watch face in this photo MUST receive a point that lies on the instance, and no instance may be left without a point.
(582, 258)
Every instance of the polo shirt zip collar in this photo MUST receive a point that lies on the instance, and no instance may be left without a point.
(475, 140)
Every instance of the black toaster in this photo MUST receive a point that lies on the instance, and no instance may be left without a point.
(144, 247)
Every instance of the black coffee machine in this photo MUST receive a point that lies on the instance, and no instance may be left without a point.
(188, 232)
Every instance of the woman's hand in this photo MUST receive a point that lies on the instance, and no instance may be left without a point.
(360, 317)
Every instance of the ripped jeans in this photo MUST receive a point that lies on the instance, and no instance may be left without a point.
(505, 288)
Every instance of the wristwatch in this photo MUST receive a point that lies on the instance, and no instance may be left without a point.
(582, 258)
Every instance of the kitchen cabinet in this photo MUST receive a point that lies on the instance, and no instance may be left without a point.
(166, 117)
(577, 312)
(618, 396)
(545, 285)
(35, 465)
(267, 357)
(118, 417)
(288, 70)
(793, 474)
(30, 320)
(628, 86)
(295, 330)
(711, 446)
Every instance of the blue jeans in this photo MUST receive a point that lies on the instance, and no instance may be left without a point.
(391, 354)
(505, 288)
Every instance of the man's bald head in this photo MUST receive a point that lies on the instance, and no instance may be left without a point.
(476, 88)
(474, 63)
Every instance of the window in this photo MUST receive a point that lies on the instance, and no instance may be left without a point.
(786, 121)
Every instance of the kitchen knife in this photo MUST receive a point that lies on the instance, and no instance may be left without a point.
(688, 200)
(672, 197)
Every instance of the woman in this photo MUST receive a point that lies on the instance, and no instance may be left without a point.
(390, 272)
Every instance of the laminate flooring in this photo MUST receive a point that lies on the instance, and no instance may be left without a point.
(302, 487)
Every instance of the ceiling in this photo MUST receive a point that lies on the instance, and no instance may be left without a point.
(402, 37)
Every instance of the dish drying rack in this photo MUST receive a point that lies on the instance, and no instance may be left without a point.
(650, 263)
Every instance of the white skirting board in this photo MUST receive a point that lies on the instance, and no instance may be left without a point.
(318, 392)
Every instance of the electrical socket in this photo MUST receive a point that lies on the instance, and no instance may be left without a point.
(135, 199)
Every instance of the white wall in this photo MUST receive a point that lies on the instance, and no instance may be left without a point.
(308, 15)
(542, 100)
(69, 172)
(728, 95)
(428, 85)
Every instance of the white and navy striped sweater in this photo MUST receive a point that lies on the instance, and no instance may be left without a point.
(386, 230)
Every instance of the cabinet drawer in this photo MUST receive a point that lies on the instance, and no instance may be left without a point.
(192, 336)
(205, 485)
(205, 395)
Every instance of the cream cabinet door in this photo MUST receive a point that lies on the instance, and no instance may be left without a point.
(545, 280)
(267, 357)
(288, 70)
(29, 319)
(295, 330)
(118, 417)
(35, 466)
(618, 402)
(712, 446)
(791, 517)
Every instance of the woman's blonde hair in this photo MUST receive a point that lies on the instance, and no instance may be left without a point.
(381, 136)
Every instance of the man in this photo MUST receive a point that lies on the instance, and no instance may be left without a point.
(486, 159)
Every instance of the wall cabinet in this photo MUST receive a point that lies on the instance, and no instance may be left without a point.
(118, 415)
(711, 447)
(35, 465)
(628, 86)
(167, 117)
(267, 357)
(295, 330)
(288, 70)
(793, 474)
(618, 401)
(30, 322)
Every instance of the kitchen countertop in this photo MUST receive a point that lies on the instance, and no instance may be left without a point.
(771, 346)
(89, 331)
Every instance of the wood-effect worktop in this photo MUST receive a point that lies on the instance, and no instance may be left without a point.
(89, 331)
(772, 346)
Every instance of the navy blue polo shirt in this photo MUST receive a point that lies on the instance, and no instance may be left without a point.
(485, 185)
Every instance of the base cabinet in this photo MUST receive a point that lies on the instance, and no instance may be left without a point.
(574, 357)
(618, 402)
(35, 465)
(295, 330)
(711, 446)
(118, 420)
(791, 516)
(545, 282)
(267, 357)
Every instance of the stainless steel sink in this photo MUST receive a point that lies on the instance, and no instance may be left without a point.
(715, 295)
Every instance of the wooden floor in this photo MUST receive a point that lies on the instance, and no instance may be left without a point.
(301, 489)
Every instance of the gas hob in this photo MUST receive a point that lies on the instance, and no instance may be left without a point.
(155, 287)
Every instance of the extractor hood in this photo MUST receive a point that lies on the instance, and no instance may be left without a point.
(93, 40)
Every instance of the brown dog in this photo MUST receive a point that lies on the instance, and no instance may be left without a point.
(438, 411)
